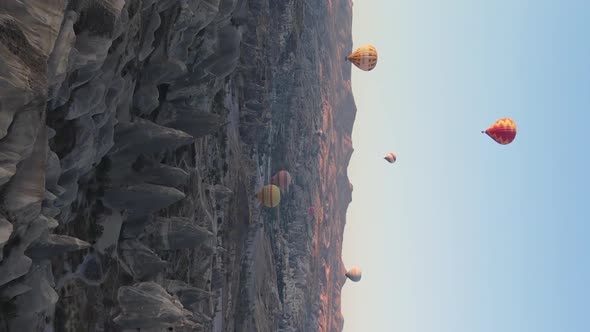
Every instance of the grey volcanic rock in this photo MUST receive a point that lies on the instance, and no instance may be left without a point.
(111, 229)
(177, 233)
(147, 305)
(54, 245)
(150, 171)
(143, 137)
(141, 262)
(5, 231)
(14, 289)
(144, 127)
(188, 119)
(53, 172)
(14, 266)
(18, 144)
(84, 153)
(38, 303)
(27, 187)
(187, 295)
(90, 271)
(219, 193)
(142, 197)
(227, 54)
(134, 226)
(27, 38)
(164, 175)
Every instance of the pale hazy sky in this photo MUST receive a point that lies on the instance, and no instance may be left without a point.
(463, 234)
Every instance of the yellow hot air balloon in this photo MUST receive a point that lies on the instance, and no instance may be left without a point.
(365, 57)
(354, 274)
(390, 157)
(269, 195)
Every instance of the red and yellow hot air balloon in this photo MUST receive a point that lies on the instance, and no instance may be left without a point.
(502, 131)
(269, 195)
(364, 57)
(282, 179)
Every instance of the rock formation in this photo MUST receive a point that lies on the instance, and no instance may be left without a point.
(133, 136)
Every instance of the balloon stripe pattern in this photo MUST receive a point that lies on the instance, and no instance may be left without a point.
(270, 195)
(391, 157)
(364, 57)
(502, 131)
(282, 179)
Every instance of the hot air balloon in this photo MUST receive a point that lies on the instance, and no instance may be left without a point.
(311, 210)
(391, 157)
(354, 274)
(365, 57)
(320, 133)
(502, 131)
(269, 195)
(281, 179)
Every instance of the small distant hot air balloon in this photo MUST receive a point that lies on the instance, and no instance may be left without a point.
(502, 131)
(311, 210)
(270, 195)
(354, 274)
(364, 57)
(281, 179)
(390, 157)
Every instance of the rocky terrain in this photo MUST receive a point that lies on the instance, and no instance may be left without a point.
(133, 137)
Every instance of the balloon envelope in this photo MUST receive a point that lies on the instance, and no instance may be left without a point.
(281, 179)
(390, 157)
(502, 131)
(354, 274)
(270, 195)
(364, 57)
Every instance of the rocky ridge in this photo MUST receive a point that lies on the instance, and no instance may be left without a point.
(133, 136)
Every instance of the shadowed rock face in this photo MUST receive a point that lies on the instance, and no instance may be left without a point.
(133, 136)
(148, 306)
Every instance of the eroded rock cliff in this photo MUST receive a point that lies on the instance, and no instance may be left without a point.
(133, 136)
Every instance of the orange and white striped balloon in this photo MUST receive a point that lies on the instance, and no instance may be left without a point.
(282, 179)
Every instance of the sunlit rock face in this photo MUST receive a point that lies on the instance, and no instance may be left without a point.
(133, 136)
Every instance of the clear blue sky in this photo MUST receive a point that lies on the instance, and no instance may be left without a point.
(463, 234)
